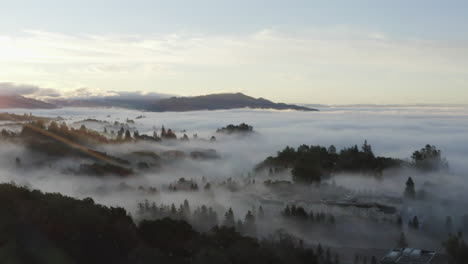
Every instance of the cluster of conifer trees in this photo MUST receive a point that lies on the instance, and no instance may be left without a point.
(299, 213)
(310, 164)
(203, 217)
(230, 129)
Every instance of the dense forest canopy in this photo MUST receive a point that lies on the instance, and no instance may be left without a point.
(36, 230)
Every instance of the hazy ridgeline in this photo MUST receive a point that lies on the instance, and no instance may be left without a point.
(230, 181)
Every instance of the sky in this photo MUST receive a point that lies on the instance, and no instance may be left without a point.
(324, 52)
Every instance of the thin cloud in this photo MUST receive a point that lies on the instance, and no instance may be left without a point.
(84, 93)
(9, 88)
(338, 59)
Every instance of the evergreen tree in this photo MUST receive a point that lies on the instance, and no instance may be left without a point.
(367, 149)
(229, 220)
(399, 222)
(415, 222)
(173, 211)
(64, 128)
(170, 134)
(402, 242)
(249, 224)
(410, 191)
(53, 127)
(429, 158)
(128, 136)
(261, 213)
(319, 251)
(186, 208)
(120, 134)
(332, 149)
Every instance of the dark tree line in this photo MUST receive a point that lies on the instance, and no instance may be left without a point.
(203, 218)
(457, 249)
(310, 164)
(298, 213)
(57, 140)
(232, 129)
(51, 228)
(62, 141)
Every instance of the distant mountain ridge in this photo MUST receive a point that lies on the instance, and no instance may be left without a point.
(223, 101)
(220, 102)
(18, 101)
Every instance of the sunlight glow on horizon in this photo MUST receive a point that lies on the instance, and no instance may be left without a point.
(317, 63)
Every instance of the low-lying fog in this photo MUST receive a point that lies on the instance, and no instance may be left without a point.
(392, 131)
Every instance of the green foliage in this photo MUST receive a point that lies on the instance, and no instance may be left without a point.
(202, 218)
(106, 169)
(429, 158)
(79, 229)
(457, 249)
(232, 129)
(167, 134)
(249, 226)
(172, 237)
(310, 164)
(414, 223)
(229, 219)
(410, 191)
(52, 228)
(299, 215)
(60, 141)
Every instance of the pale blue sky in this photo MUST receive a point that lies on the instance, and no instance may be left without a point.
(295, 51)
(413, 18)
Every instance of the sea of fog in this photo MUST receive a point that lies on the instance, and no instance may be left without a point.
(392, 131)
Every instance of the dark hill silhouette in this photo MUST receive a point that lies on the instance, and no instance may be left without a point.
(182, 104)
(18, 101)
(42, 227)
(220, 101)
